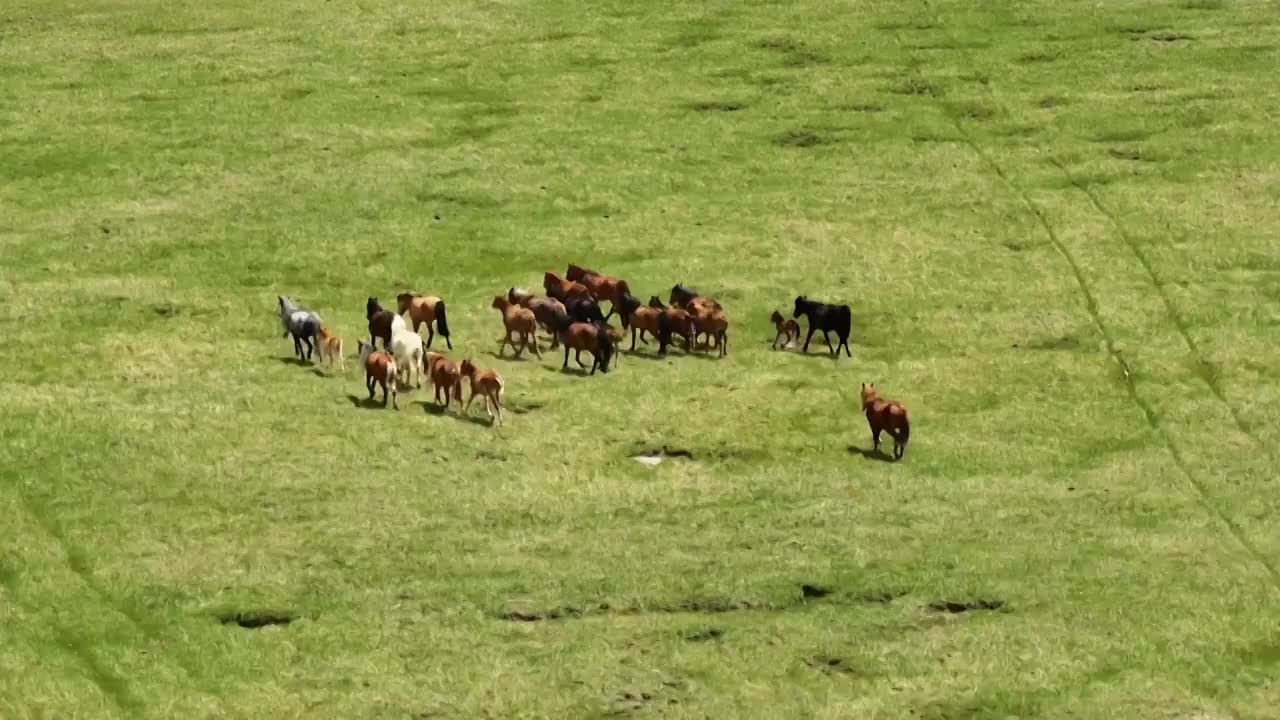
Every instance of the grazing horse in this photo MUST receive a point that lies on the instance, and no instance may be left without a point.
(518, 320)
(787, 328)
(678, 321)
(594, 339)
(562, 289)
(425, 309)
(716, 326)
(303, 324)
(486, 382)
(445, 376)
(884, 415)
(331, 348)
(827, 318)
(380, 322)
(379, 369)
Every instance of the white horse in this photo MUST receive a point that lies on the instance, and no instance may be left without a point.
(407, 347)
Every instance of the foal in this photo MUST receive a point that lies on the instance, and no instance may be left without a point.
(519, 320)
(790, 329)
(379, 369)
(330, 347)
(444, 375)
(826, 318)
(886, 415)
(486, 382)
(425, 309)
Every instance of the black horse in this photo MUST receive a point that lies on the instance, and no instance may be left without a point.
(827, 318)
(583, 309)
(380, 321)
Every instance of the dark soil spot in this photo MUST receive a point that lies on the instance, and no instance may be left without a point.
(716, 106)
(881, 597)
(296, 93)
(915, 86)
(813, 591)
(828, 664)
(1037, 56)
(799, 138)
(971, 111)
(105, 230)
(865, 108)
(1168, 36)
(1066, 342)
(524, 408)
(627, 702)
(704, 635)
(490, 454)
(166, 310)
(254, 619)
(713, 606)
(540, 615)
(1051, 101)
(1014, 246)
(1202, 4)
(1134, 30)
(959, 607)
(780, 44)
(1132, 154)
(665, 452)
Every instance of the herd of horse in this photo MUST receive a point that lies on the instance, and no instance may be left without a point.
(570, 313)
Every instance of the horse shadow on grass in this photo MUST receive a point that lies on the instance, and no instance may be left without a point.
(877, 455)
(368, 403)
(294, 360)
(431, 408)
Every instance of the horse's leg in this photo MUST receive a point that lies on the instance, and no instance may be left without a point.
(524, 342)
(467, 410)
(875, 436)
(633, 338)
(565, 366)
(827, 338)
(594, 362)
(577, 357)
(431, 334)
(533, 339)
(808, 337)
(646, 342)
(845, 342)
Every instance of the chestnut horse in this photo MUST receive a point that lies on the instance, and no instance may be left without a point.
(577, 272)
(602, 287)
(445, 376)
(330, 348)
(638, 318)
(886, 415)
(594, 339)
(486, 382)
(716, 326)
(787, 328)
(562, 289)
(425, 309)
(518, 320)
(678, 321)
(379, 369)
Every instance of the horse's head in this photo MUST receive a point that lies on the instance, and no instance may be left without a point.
(776, 318)
(371, 307)
(656, 302)
(500, 302)
(869, 394)
(404, 300)
(468, 368)
(628, 305)
(802, 306)
(550, 280)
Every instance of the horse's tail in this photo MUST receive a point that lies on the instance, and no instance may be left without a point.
(846, 321)
(906, 432)
(393, 371)
(604, 347)
(442, 324)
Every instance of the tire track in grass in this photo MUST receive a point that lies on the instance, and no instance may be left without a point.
(1203, 369)
(78, 564)
(1201, 491)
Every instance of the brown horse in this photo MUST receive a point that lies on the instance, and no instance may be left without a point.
(577, 272)
(562, 289)
(519, 320)
(444, 376)
(331, 348)
(716, 327)
(678, 321)
(486, 382)
(886, 415)
(592, 338)
(380, 323)
(787, 328)
(549, 312)
(426, 309)
(379, 369)
(606, 287)
(639, 319)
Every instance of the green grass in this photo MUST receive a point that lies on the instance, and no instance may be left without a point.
(1054, 222)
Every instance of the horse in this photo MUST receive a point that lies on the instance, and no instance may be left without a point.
(682, 296)
(886, 415)
(407, 346)
(520, 320)
(594, 339)
(486, 382)
(303, 324)
(638, 318)
(519, 296)
(606, 287)
(577, 272)
(677, 321)
(790, 329)
(380, 322)
(424, 309)
(379, 369)
(549, 312)
(330, 346)
(827, 318)
(562, 289)
(656, 302)
(584, 309)
(444, 375)
(716, 327)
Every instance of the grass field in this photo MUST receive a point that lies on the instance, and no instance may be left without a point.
(1056, 223)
